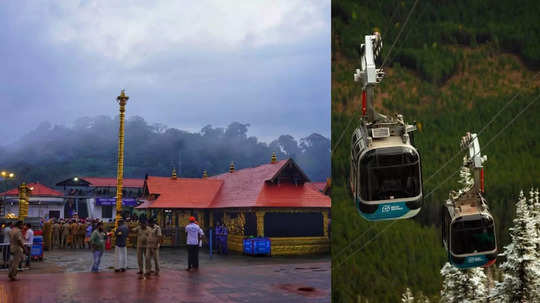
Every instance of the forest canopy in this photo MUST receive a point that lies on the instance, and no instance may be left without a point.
(50, 153)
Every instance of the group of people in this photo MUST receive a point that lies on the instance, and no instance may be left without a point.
(90, 233)
(18, 239)
(72, 233)
(149, 238)
(148, 242)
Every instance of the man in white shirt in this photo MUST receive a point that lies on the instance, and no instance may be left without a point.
(194, 236)
(29, 241)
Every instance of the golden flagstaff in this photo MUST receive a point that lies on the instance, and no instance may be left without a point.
(24, 191)
(122, 100)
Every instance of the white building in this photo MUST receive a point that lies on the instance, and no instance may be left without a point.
(44, 202)
(95, 197)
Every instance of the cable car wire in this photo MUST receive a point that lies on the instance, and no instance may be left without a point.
(399, 34)
(353, 242)
(407, 34)
(440, 184)
(481, 131)
(510, 101)
(455, 155)
(384, 61)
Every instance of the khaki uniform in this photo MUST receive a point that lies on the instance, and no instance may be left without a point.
(152, 251)
(17, 249)
(73, 229)
(65, 233)
(80, 235)
(56, 235)
(142, 243)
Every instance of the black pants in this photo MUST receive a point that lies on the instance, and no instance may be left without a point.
(193, 256)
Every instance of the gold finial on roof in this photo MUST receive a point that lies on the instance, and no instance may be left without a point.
(231, 167)
(204, 174)
(173, 176)
(274, 158)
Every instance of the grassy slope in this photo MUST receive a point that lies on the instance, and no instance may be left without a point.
(483, 78)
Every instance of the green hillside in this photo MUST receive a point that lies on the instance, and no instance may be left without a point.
(455, 66)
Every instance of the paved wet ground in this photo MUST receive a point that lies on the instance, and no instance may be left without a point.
(63, 277)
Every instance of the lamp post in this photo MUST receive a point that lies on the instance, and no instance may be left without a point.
(5, 176)
(122, 100)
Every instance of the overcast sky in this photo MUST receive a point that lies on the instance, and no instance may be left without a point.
(185, 64)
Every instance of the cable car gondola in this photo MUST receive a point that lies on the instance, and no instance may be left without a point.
(468, 229)
(386, 175)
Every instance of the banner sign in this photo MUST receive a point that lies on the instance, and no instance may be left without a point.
(112, 201)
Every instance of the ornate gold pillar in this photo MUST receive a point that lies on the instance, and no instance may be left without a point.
(260, 223)
(241, 223)
(200, 217)
(122, 100)
(325, 222)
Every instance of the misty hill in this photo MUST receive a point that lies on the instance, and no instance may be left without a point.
(89, 148)
(455, 66)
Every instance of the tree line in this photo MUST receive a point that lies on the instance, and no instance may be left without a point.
(89, 148)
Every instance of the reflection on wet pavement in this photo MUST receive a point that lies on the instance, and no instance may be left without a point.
(64, 277)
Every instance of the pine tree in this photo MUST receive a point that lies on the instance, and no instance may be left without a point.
(521, 275)
(407, 296)
(534, 209)
(465, 180)
(421, 298)
(463, 285)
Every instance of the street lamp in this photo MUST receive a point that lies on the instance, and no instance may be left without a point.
(5, 176)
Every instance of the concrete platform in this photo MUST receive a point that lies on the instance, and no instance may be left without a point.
(306, 282)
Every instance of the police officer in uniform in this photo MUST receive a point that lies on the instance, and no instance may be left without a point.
(74, 228)
(64, 233)
(81, 230)
(152, 251)
(56, 234)
(143, 233)
(17, 249)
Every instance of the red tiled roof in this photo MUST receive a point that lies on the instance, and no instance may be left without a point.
(39, 190)
(248, 188)
(242, 187)
(320, 186)
(145, 204)
(290, 195)
(111, 182)
(181, 192)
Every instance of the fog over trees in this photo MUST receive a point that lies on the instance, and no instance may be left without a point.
(50, 153)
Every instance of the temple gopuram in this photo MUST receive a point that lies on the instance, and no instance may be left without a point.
(274, 200)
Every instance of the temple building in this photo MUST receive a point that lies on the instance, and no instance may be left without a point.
(274, 200)
(95, 197)
(44, 202)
